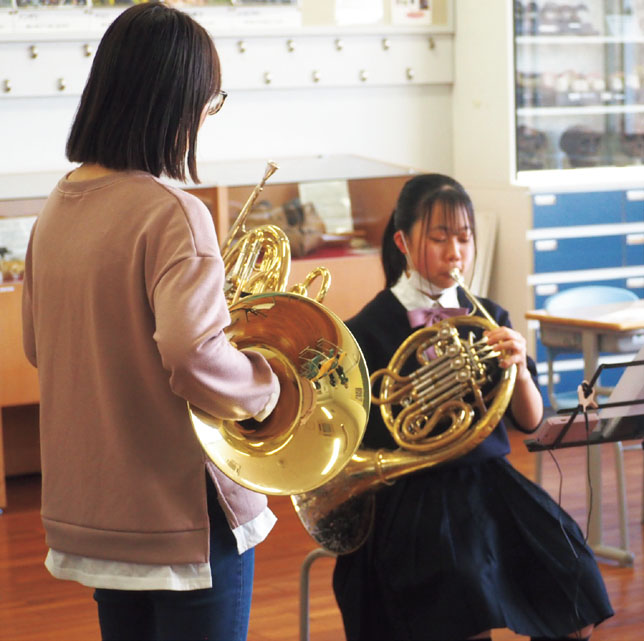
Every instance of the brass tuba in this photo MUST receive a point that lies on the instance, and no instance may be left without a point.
(443, 409)
(324, 402)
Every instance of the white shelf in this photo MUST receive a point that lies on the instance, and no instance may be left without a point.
(65, 23)
(579, 40)
(586, 179)
(230, 173)
(235, 173)
(589, 110)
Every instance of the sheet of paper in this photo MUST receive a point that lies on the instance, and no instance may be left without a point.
(629, 387)
(411, 12)
(332, 202)
(356, 12)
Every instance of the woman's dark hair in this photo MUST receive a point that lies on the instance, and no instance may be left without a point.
(154, 72)
(416, 201)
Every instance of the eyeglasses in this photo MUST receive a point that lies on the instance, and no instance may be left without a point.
(216, 102)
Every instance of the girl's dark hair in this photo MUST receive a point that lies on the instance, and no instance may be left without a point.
(154, 72)
(416, 202)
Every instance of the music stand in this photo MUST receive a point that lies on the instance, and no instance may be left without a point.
(590, 428)
(584, 428)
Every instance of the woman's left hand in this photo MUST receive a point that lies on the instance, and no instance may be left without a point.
(513, 346)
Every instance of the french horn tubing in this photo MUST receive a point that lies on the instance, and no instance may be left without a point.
(324, 401)
(451, 401)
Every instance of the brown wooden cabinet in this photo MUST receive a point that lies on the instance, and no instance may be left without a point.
(18, 378)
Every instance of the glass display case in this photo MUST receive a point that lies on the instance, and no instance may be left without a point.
(579, 84)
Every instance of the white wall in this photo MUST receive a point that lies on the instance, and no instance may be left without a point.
(410, 126)
(483, 144)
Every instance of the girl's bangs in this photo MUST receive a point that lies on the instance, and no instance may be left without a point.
(453, 204)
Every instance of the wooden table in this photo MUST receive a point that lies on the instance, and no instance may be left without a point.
(612, 327)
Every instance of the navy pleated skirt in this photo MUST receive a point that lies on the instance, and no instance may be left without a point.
(460, 549)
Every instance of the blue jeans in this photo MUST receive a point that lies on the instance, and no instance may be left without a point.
(220, 613)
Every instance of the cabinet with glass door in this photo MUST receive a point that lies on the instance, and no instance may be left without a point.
(579, 84)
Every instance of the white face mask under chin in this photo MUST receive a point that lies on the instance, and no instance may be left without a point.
(424, 286)
(415, 279)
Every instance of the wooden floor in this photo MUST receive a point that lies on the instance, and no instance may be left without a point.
(35, 607)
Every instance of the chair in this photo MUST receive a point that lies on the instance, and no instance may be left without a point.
(305, 572)
(565, 301)
(559, 304)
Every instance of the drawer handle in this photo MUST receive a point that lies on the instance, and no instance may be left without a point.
(546, 289)
(548, 245)
(545, 200)
(635, 239)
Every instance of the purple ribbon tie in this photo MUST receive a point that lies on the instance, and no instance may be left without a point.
(427, 316)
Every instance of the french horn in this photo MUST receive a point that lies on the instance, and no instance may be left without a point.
(451, 401)
(324, 401)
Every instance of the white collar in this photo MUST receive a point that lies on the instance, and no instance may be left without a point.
(410, 292)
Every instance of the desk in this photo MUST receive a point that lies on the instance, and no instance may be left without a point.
(612, 327)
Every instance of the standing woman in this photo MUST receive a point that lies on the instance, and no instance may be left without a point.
(470, 545)
(124, 313)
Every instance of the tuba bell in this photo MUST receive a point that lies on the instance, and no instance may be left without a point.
(451, 401)
(324, 402)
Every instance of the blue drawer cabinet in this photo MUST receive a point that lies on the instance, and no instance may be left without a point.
(634, 206)
(634, 249)
(589, 208)
(585, 238)
(557, 254)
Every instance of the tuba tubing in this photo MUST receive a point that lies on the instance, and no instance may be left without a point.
(258, 260)
(338, 515)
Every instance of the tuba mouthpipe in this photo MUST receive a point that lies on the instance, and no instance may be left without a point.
(239, 225)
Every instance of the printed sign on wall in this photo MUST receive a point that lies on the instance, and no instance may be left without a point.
(411, 12)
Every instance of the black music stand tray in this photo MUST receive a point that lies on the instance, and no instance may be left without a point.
(587, 428)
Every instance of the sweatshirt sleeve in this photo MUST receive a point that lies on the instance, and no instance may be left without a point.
(191, 313)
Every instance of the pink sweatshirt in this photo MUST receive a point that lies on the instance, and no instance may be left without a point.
(123, 316)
